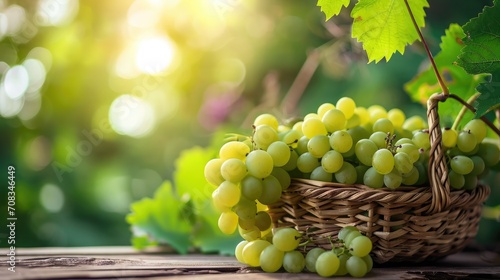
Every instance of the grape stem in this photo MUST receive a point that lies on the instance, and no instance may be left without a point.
(429, 54)
(462, 112)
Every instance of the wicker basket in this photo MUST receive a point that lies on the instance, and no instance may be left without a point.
(408, 224)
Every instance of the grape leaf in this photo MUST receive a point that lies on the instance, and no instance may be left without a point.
(481, 54)
(160, 219)
(332, 7)
(458, 81)
(385, 26)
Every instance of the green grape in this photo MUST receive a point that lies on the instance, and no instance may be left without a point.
(292, 137)
(422, 173)
(350, 236)
(355, 120)
(410, 178)
(251, 187)
(414, 123)
(364, 150)
(286, 239)
(383, 125)
(233, 170)
(217, 203)
(259, 163)
(357, 133)
(377, 112)
(343, 232)
(251, 234)
(364, 116)
(282, 176)
(342, 265)
(246, 224)
(341, 141)
(311, 258)
(383, 161)
(421, 139)
(489, 152)
(307, 162)
(323, 108)
(378, 137)
(479, 165)
(228, 222)
(228, 194)
(360, 246)
(312, 127)
(360, 173)
(271, 190)
(449, 137)
(318, 145)
(292, 162)
(334, 120)
(266, 119)
(311, 116)
(212, 171)
(251, 252)
(264, 135)
(332, 161)
(393, 179)
(404, 140)
(478, 128)
(302, 145)
(327, 264)
(319, 174)
(280, 152)
(347, 106)
(234, 149)
(373, 179)
(356, 266)
(298, 126)
(470, 182)
(402, 162)
(410, 149)
(466, 141)
(397, 117)
(283, 129)
(457, 181)
(238, 251)
(346, 174)
(369, 262)
(271, 259)
(263, 220)
(245, 209)
(462, 164)
(294, 262)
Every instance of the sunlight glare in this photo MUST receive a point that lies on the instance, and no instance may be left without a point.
(154, 55)
(16, 82)
(132, 116)
(52, 198)
(56, 12)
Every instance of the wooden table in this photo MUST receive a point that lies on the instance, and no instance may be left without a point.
(127, 263)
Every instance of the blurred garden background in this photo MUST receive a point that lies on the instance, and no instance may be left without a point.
(98, 98)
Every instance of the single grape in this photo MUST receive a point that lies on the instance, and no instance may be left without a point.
(259, 163)
(292, 162)
(271, 190)
(410, 178)
(347, 106)
(271, 259)
(334, 120)
(449, 137)
(292, 137)
(414, 123)
(245, 209)
(263, 220)
(346, 174)
(294, 262)
(373, 179)
(383, 125)
(360, 246)
(457, 181)
(354, 121)
(402, 162)
(397, 117)
(470, 182)
(312, 127)
(264, 135)
(266, 119)
(233, 170)
(246, 224)
(332, 161)
(280, 152)
(350, 236)
(307, 162)
(377, 112)
(228, 222)
(356, 266)
(318, 146)
(489, 152)
(212, 171)
(462, 164)
(364, 150)
(319, 174)
(311, 258)
(421, 139)
(393, 179)
(478, 128)
(360, 173)
(466, 141)
(311, 116)
(364, 116)
(238, 251)
(251, 187)
(286, 239)
(383, 161)
(327, 264)
(228, 194)
(251, 234)
(343, 232)
(342, 265)
(341, 141)
(479, 165)
(282, 176)
(302, 145)
(234, 149)
(251, 252)
(323, 108)
(411, 149)
(369, 262)
(378, 137)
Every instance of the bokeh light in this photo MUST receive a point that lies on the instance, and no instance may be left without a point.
(56, 12)
(52, 198)
(154, 54)
(16, 82)
(132, 116)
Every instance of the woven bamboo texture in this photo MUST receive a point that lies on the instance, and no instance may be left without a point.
(409, 224)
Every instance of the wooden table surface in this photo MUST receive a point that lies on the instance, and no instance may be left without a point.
(127, 263)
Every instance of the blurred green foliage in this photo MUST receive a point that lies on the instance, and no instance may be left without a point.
(226, 61)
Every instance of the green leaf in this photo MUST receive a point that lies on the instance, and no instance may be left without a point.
(481, 54)
(385, 26)
(332, 7)
(160, 218)
(458, 81)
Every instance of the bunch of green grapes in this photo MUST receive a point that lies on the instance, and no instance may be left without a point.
(470, 154)
(282, 251)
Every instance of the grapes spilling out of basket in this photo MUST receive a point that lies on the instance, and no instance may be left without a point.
(350, 253)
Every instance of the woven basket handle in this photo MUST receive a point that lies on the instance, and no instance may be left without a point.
(437, 170)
